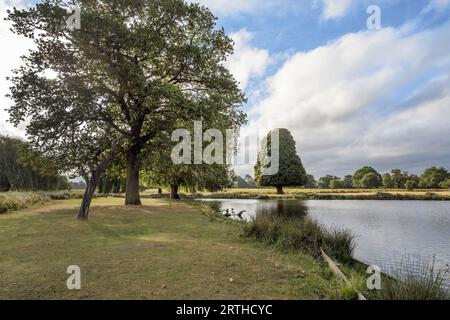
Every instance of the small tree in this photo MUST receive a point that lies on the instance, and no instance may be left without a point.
(445, 184)
(410, 185)
(348, 182)
(433, 177)
(387, 181)
(399, 178)
(359, 175)
(337, 184)
(291, 171)
(324, 182)
(370, 181)
(311, 183)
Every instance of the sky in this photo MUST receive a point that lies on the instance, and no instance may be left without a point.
(350, 95)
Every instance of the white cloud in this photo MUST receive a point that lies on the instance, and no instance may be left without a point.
(247, 62)
(334, 100)
(436, 5)
(333, 9)
(10, 59)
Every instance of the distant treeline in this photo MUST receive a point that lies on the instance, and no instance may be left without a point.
(21, 170)
(369, 178)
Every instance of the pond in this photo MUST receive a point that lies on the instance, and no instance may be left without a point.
(386, 231)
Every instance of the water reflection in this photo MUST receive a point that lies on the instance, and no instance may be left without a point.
(252, 208)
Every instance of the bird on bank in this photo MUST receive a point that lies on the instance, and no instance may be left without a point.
(227, 213)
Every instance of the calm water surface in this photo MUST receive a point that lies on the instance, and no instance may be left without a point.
(387, 231)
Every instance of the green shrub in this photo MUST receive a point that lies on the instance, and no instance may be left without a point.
(216, 206)
(301, 233)
(11, 201)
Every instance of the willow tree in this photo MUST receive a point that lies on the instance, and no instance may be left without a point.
(145, 61)
(22, 169)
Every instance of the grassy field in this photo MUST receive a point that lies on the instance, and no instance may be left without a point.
(161, 250)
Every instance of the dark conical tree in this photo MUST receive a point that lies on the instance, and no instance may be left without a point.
(291, 172)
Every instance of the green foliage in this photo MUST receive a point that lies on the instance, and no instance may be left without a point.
(445, 184)
(135, 69)
(291, 172)
(359, 175)
(433, 177)
(325, 182)
(370, 181)
(348, 182)
(14, 200)
(399, 178)
(337, 184)
(412, 183)
(216, 206)
(160, 169)
(387, 181)
(301, 233)
(21, 170)
(311, 183)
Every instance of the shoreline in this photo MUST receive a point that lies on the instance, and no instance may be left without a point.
(380, 196)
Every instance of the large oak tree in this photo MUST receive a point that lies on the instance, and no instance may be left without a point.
(143, 65)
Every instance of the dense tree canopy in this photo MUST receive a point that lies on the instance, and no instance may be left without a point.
(21, 170)
(337, 184)
(370, 181)
(325, 182)
(311, 182)
(433, 177)
(399, 178)
(291, 172)
(359, 175)
(387, 182)
(140, 65)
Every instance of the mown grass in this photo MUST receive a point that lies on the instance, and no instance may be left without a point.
(162, 250)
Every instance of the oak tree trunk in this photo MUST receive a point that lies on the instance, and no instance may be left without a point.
(91, 185)
(92, 182)
(280, 190)
(174, 192)
(132, 197)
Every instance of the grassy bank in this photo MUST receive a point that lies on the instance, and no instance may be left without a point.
(338, 194)
(162, 250)
(412, 279)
